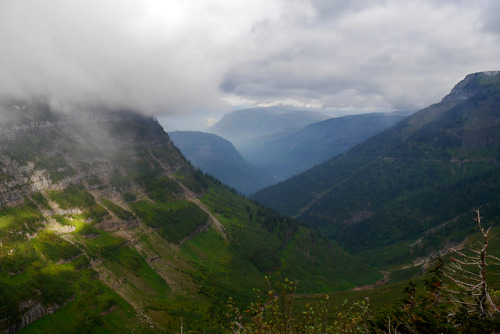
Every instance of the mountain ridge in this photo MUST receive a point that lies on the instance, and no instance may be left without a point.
(244, 124)
(379, 194)
(275, 157)
(218, 157)
(289, 153)
(106, 227)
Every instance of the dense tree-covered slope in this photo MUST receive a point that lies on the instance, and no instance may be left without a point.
(105, 227)
(218, 157)
(408, 191)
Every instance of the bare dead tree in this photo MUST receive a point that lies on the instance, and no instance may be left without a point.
(467, 272)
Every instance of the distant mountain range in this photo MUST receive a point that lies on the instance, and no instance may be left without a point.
(272, 157)
(282, 155)
(218, 157)
(409, 191)
(242, 125)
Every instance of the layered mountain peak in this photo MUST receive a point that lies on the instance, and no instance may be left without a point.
(472, 84)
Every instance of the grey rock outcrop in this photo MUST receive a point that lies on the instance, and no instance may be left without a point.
(31, 311)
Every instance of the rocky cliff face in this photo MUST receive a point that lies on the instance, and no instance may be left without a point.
(470, 85)
(31, 311)
(98, 151)
(85, 148)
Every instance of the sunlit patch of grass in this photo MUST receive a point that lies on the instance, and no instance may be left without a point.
(18, 220)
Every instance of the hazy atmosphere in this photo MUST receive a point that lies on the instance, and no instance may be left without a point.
(203, 58)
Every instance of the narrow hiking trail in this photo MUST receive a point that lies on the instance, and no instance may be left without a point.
(191, 196)
(384, 280)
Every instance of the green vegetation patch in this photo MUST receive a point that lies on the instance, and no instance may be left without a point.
(162, 188)
(219, 271)
(174, 221)
(97, 213)
(15, 222)
(95, 181)
(87, 230)
(41, 282)
(16, 256)
(116, 209)
(126, 262)
(95, 309)
(321, 265)
(129, 197)
(192, 178)
(100, 243)
(73, 196)
(55, 248)
(41, 200)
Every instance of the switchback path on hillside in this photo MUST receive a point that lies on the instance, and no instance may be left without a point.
(191, 196)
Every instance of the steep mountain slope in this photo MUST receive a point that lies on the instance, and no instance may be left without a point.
(408, 191)
(218, 157)
(242, 125)
(104, 227)
(291, 152)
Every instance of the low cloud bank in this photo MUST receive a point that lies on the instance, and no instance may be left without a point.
(172, 57)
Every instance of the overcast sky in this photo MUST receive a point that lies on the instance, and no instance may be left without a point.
(201, 58)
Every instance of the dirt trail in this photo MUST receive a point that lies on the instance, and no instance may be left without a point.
(111, 280)
(191, 196)
(116, 283)
(215, 222)
(316, 198)
(378, 283)
(202, 228)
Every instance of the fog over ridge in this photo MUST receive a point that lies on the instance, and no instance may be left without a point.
(203, 57)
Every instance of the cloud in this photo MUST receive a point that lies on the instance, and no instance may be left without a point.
(158, 56)
(376, 54)
(489, 17)
(168, 57)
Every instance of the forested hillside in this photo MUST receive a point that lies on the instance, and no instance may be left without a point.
(408, 192)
